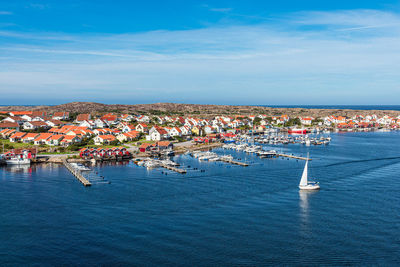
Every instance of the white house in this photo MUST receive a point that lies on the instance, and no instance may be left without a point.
(174, 131)
(141, 127)
(157, 133)
(32, 125)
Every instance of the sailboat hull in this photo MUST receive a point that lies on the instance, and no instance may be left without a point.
(309, 187)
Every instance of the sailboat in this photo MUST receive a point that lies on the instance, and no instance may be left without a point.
(304, 183)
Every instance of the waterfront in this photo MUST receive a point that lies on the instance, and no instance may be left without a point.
(227, 215)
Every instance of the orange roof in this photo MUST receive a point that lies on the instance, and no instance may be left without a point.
(43, 136)
(68, 137)
(9, 125)
(107, 137)
(145, 145)
(21, 112)
(17, 135)
(31, 135)
(163, 143)
(56, 137)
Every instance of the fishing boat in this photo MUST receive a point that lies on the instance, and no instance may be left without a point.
(304, 183)
(297, 131)
(18, 161)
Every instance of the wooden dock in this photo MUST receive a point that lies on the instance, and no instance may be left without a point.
(182, 171)
(235, 162)
(76, 173)
(292, 157)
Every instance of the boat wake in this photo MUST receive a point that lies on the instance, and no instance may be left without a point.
(358, 161)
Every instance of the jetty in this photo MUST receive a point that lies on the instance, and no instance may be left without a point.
(235, 162)
(77, 173)
(291, 156)
(168, 167)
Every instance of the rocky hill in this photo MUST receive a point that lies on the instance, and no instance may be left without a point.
(196, 109)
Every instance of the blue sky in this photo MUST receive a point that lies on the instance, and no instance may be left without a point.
(216, 52)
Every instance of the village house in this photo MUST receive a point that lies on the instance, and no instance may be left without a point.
(70, 139)
(54, 123)
(87, 124)
(141, 127)
(196, 130)
(54, 140)
(99, 123)
(42, 138)
(60, 115)
(128, 128)
(29, 137)
(126, 137)
(27, 117)
(15, 119)
(17, 136)
(162, 145)
(20, 113)
(10, 125)
(143, 118)
(82, 117)
(111, 119)
(33, 125)
(185, 130)
(208, 129)
(104, 139)
(174, 131)
(5, 133)
(104, 131)
(39, 113)
(126, 117)
(146, 147)
(157, 133)
(306, 121)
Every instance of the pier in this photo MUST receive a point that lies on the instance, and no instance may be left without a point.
(235, 162)
(76, 173)
(293, 157)
(181, 171)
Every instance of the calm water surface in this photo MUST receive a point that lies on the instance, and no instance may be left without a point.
(227, 215)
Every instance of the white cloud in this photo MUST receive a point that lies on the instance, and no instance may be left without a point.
(5, 13)
(221, 9)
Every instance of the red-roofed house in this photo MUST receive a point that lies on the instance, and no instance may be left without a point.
(17, 136)
(29, 137)
(61, 115)
(70, 139)
(55, 140)
(42, 138)
(10, 125)
(158, 133)
(104, 139)
(82, 117)
(32, 125)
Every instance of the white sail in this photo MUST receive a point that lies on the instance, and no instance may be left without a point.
(304, 177)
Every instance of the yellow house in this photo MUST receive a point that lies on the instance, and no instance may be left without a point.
(196, 130)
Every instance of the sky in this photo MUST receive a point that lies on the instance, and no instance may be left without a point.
(204, 52)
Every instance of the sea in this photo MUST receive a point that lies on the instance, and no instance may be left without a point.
(215, 215)
(352, 107)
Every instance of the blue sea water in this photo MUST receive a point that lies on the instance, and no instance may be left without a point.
(227, 215)
(353, 107)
